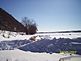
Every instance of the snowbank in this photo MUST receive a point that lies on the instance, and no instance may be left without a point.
(18, 55)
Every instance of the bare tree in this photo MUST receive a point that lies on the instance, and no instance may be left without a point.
(30, 25)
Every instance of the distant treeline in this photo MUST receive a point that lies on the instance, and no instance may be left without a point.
(61, 32)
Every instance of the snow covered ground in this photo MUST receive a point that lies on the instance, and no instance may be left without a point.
(61, 35)
(18, 55)
(8, 36)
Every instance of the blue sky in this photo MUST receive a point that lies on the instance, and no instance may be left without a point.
(50, 15)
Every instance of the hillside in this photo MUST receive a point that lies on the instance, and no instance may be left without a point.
(8, 22)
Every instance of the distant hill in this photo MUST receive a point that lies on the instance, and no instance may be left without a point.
(9, 23)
